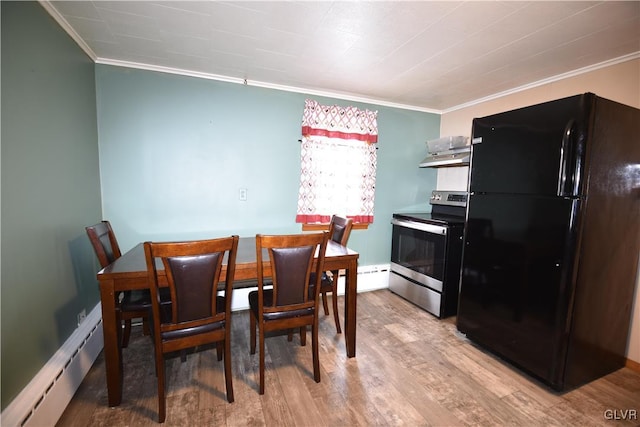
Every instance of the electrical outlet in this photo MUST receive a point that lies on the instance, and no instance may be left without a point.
(81, 316)
(242, 194)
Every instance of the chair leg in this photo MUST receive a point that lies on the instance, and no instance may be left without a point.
(145, 326)
(252, 333)
(161, 387)
(325, 304)
(261, 361)
(227, 368)
(220, 346)
(126, 333)
(334, 298)
(290, 335)
(303, 336)
(314, 349)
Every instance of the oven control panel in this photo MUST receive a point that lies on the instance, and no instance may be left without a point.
(449, 198)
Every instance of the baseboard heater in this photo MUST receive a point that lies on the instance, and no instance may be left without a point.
(370, 278)
(45, 398)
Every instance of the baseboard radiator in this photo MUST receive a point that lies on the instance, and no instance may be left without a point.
(370, 278)
(45, 398)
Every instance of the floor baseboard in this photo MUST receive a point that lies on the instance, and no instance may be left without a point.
(633, 365)
(370, 278)
(44, 399)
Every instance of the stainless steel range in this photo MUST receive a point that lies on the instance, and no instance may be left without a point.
(426, 253)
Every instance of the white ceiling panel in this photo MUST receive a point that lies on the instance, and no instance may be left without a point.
(427, 55)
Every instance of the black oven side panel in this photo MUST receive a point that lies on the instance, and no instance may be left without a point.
(453, 265)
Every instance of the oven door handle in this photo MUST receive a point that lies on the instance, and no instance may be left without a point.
(429, 228)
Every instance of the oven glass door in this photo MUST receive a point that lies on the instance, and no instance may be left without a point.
(419, 252)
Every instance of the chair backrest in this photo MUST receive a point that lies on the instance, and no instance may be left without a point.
(192, 270)
(291, 259)
(104, 242)
(340, 229)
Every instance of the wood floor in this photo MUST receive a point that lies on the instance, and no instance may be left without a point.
(410, 369)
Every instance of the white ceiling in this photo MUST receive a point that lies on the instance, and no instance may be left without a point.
(427, 55)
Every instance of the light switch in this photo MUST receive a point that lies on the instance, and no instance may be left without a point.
(242, 194)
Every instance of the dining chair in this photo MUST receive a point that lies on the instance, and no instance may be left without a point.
(339, 231)
(288, 304)
(132, 304)
(197, 314)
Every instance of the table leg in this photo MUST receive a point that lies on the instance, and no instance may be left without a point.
(111, 330)
(351, 292)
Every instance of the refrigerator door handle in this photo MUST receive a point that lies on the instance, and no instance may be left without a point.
(577, 168)
(566, 150)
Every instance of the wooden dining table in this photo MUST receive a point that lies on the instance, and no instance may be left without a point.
(129, 272)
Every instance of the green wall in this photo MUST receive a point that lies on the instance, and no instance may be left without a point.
(175, 151)
(50, 190)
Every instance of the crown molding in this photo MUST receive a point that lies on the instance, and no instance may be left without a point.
(542, 82)
(256, 83)
(169, 70)
(70, 31)
(344, 96)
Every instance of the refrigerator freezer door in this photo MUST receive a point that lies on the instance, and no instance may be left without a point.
(514, 282)
(532, 150)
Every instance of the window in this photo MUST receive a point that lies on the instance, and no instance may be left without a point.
(338, 163)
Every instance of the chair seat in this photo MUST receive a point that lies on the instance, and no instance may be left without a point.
(140, 299)
(268, 301)
(325, 286)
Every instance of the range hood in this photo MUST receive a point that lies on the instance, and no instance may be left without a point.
(455, 157)
(447, 151)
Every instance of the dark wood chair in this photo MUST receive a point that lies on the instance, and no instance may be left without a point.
(197, 315)
(288, 304)
(339, 232)
(131, 305)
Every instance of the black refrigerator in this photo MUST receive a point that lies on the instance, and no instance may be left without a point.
(552, 237)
